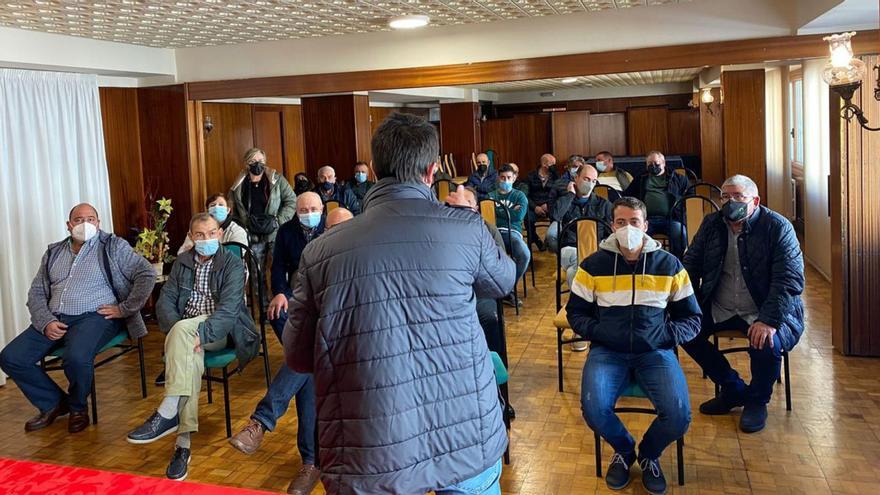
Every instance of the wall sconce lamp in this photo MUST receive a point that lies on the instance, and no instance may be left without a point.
(707, 99)
(208, 125)
(844, 74)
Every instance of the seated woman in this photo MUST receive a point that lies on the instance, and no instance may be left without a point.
(218, 207)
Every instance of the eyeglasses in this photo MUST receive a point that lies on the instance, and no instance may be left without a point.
(739, 198)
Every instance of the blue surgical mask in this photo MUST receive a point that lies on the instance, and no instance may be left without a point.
(207, 247)
(328, 186)
(360, 177)
(310, 220)
(601, 167)
(505, 186)
(219, 212)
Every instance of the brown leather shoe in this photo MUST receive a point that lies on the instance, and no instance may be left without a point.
(78, 421)
(45, 419)
(248, 440)
(305, 480)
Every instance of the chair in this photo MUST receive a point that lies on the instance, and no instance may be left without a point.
(696, 208)
(442, 188)
(221, 360)
(607, 192)
(588, 236)
(331, 205)
(635, 391)
(736, 334)
(705, 189)
(117, 343)
(501, 377)
(488, 212)
(689, 174)
(254, 297)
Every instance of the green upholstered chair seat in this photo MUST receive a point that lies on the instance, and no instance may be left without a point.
(219, 359)
(115, 341)
(500, 370)
(634, 390)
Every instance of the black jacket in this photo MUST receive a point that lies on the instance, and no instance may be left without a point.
(360, 189)
(289, 245)
(676, 187)
(567, 209)
(540, 192)
(772, 264)
(342, 195)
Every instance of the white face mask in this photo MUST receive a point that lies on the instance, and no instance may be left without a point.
(83, 232)
(629, 237)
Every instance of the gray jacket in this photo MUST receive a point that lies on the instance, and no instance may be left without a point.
(230, 318)
(131, 276)
(282, 201)
(406, 394)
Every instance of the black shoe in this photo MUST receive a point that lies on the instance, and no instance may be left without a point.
(617, 477)
(540, 245)
(754, 418)
(717, 406)
(153, 429)
(652, 476)
(510, 301)
(160, 379)
(510, 412)
(177, 468)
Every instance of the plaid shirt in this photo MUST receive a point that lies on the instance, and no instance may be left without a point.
(78, 282)
(200, 301)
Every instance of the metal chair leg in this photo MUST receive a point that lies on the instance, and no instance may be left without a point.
(140, 345)
(226, 402)
(679, 450)
(787, 381)
(559, 356)
(532, 269)
(94, 395)
(598, 455)
(266, 367)
(208, 379)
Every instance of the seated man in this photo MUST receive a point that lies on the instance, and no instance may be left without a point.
(289, 243)
(540, 183)
(560, 187)
(329, 190)
(518, 205)
(200, 308)
(88, 288)
(519, 185)
(659, 188)
(359, 184)
(336, 217)
(748, 270)
(483, 179)
(609, 175)
(634, 303)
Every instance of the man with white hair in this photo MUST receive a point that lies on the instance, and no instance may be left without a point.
(329, 190)
(748, 272)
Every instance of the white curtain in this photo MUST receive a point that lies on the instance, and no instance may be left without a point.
(817, 166)
(51, 158)
(775, 129)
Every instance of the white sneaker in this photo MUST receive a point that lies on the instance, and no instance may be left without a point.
(579, 346)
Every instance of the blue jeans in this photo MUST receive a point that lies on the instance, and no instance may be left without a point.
(551, 239)
(765, 363)
(519, 250)
(286, 385)
(486, 483)
(676, 232)
(86, 333)
(608, 373)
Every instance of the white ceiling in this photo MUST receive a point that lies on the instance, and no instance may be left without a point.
(190, 23)
(850, 15)
(602, 81)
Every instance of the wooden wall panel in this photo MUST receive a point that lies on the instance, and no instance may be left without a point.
(363, 134)
(460, 133)
(377, 115)
(119, 115)
(294, 142)
(571, 133)
(335, 129)
(233, 134)
(608, 133)
(712, 140)
(647, 130)
(165, 153)
(684, 132)
(269, 135)
(521, 140)
(744, 127)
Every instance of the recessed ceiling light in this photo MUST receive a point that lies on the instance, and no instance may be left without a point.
(408, 21)
(569, 80)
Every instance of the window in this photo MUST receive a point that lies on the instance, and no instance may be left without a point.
(796, 107)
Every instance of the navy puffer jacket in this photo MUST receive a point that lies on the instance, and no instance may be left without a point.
(384, 314)
(771, 262)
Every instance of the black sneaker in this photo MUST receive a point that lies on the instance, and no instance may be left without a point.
(718, 406)
(510, 301)
(617, 477)
(510, 412)
(177, 468)
(652, 476)
(754, 418)
(153, 429)
(160, 379)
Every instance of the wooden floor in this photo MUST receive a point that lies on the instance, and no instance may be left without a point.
(829, 443)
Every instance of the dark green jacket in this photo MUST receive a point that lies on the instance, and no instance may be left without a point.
(231, 317)
(281, 204)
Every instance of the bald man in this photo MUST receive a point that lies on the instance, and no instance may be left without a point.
(329, 190)
(540, 183)
(90, 287)
(337, 216)
(484, 179)
(287, 384)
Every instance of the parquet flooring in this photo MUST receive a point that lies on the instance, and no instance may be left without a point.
(827, 444)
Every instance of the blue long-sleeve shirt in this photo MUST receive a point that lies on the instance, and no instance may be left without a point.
(289, 244)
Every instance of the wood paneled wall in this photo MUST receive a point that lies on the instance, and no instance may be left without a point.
(608, 133)
(745, 150)
(336, 130)
(684, 132)
(855, 243)
(233, 134)
(122, 145)
(570, 132)
(378, 114)
(294, 142)
(460, 133)
(647, 130)
(712, 140)
(269, 133)
(521, 140)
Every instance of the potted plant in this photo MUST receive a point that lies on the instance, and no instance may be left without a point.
(153, 240)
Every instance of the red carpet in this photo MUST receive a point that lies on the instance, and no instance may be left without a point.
(25, 477)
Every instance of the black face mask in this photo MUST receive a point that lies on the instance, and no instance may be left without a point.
(256, 168)
(734, 211)
(482, 168)
(654, 169)
(301, 185)
(328, 186)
